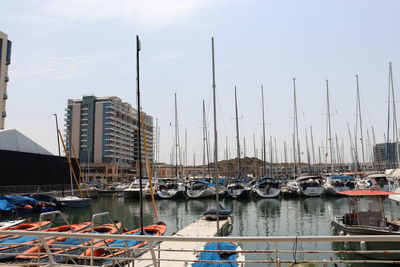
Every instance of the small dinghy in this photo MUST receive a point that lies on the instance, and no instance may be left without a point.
(107, 251)
(211, 214)
(64, 248)
(6, 224)
(13, 245)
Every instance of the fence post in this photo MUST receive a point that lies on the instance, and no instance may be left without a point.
(153, 255)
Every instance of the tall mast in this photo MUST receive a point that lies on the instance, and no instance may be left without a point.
(312, 146)
(360, 120)
(329, 125)
(176, 138)
(388, 121)
(395, 130)
(308, 154)
(215, 132)
(138, 46)
(237, 137)
(263, 124)
(204, 139)
(296, 128)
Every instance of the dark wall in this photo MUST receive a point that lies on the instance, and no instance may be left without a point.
(20, 168)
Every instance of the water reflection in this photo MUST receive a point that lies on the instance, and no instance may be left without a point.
(260, 217)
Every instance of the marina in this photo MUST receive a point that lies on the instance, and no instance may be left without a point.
(253, 218)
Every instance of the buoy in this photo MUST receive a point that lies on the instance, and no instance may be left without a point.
(363, 245)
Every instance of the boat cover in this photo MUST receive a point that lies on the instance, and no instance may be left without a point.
(5, 205)
(342, 177)
(222, 211)
(215, 256)
(21, 200)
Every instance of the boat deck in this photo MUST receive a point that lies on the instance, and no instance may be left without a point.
(202, 227)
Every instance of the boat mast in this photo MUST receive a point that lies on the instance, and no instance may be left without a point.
(138, 47)
(215, 132)
(237, 137)
(360, 120)
(329, 125)
(296, 128)
(308, 154)
(176, 139)
(263, 124)
(388, 120)
(59, 151)
(395, 130)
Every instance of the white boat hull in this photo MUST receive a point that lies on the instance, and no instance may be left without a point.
(270, 193)
(312, 191)
(208, 192)
(135, 193)
(75, 202)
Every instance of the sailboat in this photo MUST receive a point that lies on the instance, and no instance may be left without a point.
(71, 201)
(172, 188)
(233, 248)
(238, 187)
(266, 187)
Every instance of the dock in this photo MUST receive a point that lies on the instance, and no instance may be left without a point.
(201, 227)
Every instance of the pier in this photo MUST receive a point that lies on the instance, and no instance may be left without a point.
(199, 228)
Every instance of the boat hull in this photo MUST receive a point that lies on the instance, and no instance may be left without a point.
(270, 193)
(194, 194)
(312, 191)
(135, 193)
(75, 202)
(170, 194)
(342, 229)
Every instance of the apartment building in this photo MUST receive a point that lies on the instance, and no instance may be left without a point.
(387, 155)
(5, 60)
(103, 132)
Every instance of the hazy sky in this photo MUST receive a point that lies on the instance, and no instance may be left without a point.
(68, 48)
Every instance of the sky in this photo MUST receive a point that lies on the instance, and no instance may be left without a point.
(64, 49)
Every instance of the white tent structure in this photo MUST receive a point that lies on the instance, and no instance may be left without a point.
(15, 141)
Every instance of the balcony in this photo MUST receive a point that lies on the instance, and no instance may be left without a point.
(4, 114)
(5, 96)
(6, 78)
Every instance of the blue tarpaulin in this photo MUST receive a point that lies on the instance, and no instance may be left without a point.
(215, 256)
(21, 200)
(5, 205)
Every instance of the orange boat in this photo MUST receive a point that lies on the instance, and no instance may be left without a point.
(121, 248)
(32, 226)
(12, 245)
(70, 246)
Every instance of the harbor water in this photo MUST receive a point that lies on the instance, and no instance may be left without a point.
(251, 217)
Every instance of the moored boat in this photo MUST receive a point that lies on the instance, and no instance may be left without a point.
(310, 186)
(267, 187)
(199, 189)
(133, 191)
(368, 219)
(75, 202)
(238, 188)
(69, 246)
(11, 246)
(338, 183)
(122, 248)
(170, 188)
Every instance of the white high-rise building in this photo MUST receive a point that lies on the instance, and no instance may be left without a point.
(5, 59)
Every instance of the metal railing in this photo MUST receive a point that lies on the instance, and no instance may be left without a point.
(159, 254)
